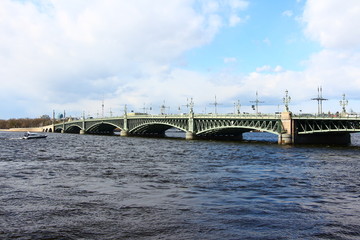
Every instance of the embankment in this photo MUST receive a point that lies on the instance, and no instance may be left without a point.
(37, 129)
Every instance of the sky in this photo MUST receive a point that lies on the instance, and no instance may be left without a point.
(77, 56)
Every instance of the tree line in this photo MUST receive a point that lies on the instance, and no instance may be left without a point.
(24, 123)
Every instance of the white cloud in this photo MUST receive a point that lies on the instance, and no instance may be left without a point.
(68, 51)
(266, 41)
(333, 23)
(235, 20)
(336, 26)
(210, 6)
(263, 68)
(68, 55)
(339, 72)
(230, 59)
(278, 69)
(288, 13)
(238, 4)
(268, 68)
(235, 7)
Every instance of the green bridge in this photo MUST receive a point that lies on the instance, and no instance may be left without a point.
(289, 129)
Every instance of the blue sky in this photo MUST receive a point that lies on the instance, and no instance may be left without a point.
(71, 55)
(271, 35)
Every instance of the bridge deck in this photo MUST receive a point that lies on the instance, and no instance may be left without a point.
(211, 125)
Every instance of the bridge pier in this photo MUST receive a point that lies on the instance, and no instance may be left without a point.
(124, 133)
(190, 136)
(82, 131)
(285, 139)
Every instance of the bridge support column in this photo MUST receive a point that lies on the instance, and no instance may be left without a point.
(190, 136)
(286, 137)
(82, 131)
(124, 133)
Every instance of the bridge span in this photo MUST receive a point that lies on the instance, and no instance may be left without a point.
(290, 129)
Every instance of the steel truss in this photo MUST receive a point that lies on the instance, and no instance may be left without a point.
(308, 126)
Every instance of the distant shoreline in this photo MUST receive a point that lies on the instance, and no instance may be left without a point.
(38, 129)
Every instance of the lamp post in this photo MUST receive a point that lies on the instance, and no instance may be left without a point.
(237, 106)
(286, 100)
(191, 105)
(215, 104)
(343, 104)
(319, 99)
(256, 106)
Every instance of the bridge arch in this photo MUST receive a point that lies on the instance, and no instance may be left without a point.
(103, 128)
(233, 127)
(48, 129)
(153, 128)
(230, 130)
(73, 129)
(58, 129)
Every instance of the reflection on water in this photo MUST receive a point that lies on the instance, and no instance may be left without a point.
(99, 187)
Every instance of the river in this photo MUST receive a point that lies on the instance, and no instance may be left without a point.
(70, 186)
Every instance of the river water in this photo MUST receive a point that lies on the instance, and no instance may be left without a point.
(70, 186)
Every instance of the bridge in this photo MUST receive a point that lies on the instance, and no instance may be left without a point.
(290, 129)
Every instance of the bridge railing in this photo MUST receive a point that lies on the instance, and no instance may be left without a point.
(180, 116)
(265, 116)
(327, 116)
(224, 116)
(245, 116)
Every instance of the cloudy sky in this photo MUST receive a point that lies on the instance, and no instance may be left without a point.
(73, 55)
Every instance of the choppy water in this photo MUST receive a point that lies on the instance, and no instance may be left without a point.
(100, 187)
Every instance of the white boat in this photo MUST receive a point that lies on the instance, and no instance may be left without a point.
(30, 135)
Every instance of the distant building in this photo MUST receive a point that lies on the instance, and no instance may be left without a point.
(45, 117)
